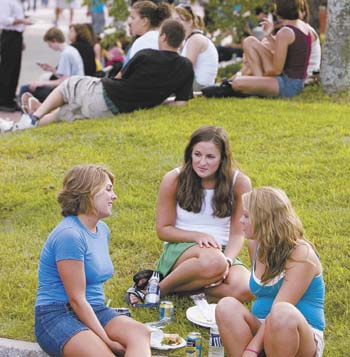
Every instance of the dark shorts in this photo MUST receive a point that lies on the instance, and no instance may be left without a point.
(56, 324)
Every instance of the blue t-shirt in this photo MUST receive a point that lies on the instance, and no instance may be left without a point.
(311, 304)
(72, 240)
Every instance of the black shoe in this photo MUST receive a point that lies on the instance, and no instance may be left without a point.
(9, 108)
(223, 90)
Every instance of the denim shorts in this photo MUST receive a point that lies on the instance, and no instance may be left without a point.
(56, 324)
(289, 87)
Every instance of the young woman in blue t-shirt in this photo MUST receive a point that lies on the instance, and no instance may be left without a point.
(287, 317)
(71, 318)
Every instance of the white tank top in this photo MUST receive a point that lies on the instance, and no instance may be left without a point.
(207, 64)
(205, 221)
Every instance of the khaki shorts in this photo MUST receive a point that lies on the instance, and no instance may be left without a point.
(84, 99)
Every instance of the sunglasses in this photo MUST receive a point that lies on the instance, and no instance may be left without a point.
(187, 8)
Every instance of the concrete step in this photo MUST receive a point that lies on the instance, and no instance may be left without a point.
(17, 348)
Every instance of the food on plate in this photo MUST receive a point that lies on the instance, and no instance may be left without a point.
(171, 339)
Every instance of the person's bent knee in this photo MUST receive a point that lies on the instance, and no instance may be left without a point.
(283, 315)
(249, 42)
(225, 305)
(213, 265)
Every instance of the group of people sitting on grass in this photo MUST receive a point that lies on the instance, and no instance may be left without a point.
(205, 209)
(153, 70)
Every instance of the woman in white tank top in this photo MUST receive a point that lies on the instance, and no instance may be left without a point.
(198, 48)
(198, 212)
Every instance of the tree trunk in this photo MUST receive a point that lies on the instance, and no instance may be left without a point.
(335, 66)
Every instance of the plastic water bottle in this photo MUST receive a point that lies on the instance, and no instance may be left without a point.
(216, 349)
(153, 291)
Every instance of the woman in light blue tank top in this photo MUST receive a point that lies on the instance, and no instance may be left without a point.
(287, 317)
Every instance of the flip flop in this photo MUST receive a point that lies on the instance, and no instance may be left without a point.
(133, 290)
(29, 104)
(24, 102)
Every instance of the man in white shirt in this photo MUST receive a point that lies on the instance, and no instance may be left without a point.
(12, 23)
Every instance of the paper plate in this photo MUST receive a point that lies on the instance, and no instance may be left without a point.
(194, 315)
(169, 347)
(156, 341)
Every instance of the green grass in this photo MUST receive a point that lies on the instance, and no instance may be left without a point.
(300, 145)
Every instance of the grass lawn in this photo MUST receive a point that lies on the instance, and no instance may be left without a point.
(300, 145)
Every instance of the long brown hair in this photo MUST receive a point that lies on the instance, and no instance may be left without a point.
(190, 193)
(276, 228)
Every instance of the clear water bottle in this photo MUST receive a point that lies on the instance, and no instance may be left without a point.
(216, 349)
(152, 291)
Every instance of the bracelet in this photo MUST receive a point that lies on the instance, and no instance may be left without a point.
(229, 261)
(251, 350)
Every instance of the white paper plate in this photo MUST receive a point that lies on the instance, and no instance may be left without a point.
(157, 337)
(194, 315)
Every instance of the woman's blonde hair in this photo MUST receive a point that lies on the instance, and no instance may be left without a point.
(276, 228)
(80, 185)
(186, 14)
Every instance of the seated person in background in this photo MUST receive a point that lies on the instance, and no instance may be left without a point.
(198, 48)
(148, 80)
(287, 317)
(81, 39)
(71, 318)
(198, 211)
(144, 20)
(70, 63)
(315, 56)
(281, 72)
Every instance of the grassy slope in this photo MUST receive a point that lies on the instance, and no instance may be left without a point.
(302, 146)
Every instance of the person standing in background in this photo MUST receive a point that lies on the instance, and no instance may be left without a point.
(97, 12)
(12, 23)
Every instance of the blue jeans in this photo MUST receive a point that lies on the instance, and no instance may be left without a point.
(56, 324)
(289, 87)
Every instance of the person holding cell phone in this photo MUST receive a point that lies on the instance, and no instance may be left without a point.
(70, 63)
(277, 65)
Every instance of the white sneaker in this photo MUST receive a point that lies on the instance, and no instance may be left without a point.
(5, 125)
(26, 122)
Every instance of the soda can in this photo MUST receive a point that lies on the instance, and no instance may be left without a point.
(122, 311)
(166, 311)
(194, 344)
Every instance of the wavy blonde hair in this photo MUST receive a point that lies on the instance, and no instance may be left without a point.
(276, 228)
(80, 185)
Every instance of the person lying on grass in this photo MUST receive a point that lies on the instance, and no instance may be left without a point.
(287, 317)
(198, 211)
(148, 80)
(71, 318)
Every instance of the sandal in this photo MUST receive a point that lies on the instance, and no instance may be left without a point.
(134, 290)
(29, 104)
(141, 278)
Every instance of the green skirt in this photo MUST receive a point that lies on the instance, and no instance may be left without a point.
(172, 252)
